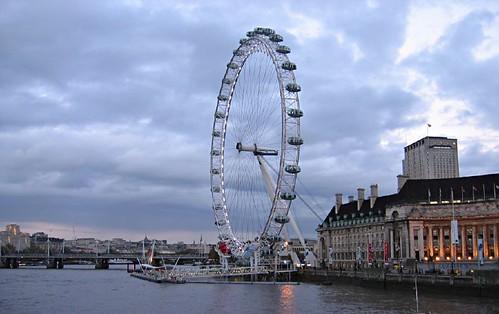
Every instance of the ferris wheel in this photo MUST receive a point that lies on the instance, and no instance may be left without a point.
(255, 146)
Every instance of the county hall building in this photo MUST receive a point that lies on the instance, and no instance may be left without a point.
(414, 223)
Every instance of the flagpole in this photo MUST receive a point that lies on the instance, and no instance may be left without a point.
(483, 186)
(453, 228)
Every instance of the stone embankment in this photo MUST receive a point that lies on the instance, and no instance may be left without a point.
(479, 283)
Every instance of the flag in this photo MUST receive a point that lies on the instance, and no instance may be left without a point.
(452, 195)
(462, 194)
(429, 125)
(495, 188)
(454, 232)
(429, 196)
(480, 251)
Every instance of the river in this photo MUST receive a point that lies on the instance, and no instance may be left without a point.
(85, 290)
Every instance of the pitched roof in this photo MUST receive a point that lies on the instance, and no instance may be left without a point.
(424, 190)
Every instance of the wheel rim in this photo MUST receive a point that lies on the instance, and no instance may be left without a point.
(257, 104)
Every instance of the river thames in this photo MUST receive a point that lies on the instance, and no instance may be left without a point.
(85, 290)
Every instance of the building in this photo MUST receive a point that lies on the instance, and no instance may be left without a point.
(40, 241)
(353, 233)
(430, 158)
(415, 224)
(13, 236)
(296, 246)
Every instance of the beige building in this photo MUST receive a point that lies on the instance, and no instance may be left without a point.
(414, 223)
(13, 236)
(430, 158)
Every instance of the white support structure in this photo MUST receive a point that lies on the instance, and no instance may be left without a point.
(269, 185)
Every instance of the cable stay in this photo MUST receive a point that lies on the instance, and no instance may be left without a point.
(299, 196)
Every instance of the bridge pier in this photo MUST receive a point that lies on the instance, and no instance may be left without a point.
(102, 263)
(11, 263)
(55, 263)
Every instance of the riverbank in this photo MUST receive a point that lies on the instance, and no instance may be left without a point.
(480, 283)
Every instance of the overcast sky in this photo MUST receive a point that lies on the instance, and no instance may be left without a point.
(106, 107)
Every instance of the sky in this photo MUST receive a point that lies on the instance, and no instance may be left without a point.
(106, 107)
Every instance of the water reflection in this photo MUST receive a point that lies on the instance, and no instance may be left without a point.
(287, 299)
(60, 291)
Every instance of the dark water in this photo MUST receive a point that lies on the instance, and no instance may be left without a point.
(114, 291)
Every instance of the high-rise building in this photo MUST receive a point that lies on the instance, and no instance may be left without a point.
(430, 158)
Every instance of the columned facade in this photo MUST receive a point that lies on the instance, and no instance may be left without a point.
(414, 224)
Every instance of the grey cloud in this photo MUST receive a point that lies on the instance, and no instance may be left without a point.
(106, 109)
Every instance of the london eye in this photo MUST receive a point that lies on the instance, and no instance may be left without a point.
(255, 144)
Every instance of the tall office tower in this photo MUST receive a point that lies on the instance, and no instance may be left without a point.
(430, 158)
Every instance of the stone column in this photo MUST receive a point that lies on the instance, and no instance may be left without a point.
(430, 241)
(392, 246)
(408, 248)
(421, 243)
(441, 243)
(463, 242)
(496, 245)
(475, 244)
(485, 243)
(401, 237)
(412, 248)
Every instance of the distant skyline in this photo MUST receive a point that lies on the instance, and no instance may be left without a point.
(106, 107)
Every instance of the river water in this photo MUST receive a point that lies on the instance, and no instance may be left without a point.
(85, 290)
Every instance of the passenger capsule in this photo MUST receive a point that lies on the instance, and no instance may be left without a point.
(227, 81)
(220, 115)
(275, 38)
(215, 171)
(242, 41)
(295, 140)
(233, 66)
(215, 152)
(288, 196)
(293, 88)
(292, 169)
(281, 219)
(290, 66)
(274, 239)
(215, 189)
(220, 223)
(217, 133)
(259, 30)
(294, 113)
(283, 49)
(218, 207)
(238, 52)
(268, 31)
(222, 97)
(251, 34)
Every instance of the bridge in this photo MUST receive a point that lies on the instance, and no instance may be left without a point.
(101, 260)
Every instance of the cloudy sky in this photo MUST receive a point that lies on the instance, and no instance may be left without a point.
(106, 107)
